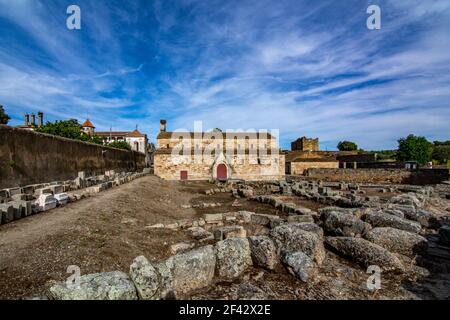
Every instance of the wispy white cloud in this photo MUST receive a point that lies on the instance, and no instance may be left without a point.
(302, 67)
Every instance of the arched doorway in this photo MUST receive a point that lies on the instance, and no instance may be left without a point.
(222, 172)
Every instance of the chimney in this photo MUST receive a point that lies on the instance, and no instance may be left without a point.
(27, 119)
(40, 119)
(162, 126)
(33, 119)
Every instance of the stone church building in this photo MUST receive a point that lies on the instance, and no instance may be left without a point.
(218, 155)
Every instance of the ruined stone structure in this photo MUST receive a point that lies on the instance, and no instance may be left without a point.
(29, 157)
(305, 154)
(305, 144)
(217, 155)
(400, 176)
(299, 166)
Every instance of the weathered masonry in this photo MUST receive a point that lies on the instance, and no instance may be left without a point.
(27, 157)
(217, 155)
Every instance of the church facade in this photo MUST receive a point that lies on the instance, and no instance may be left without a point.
(218, 155)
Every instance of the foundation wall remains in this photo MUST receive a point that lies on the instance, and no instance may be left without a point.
(298, 168)
(395, 176)
(27, 157)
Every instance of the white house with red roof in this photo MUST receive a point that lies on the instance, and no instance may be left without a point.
(137, 140)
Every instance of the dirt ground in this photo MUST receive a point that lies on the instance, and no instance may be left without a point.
(101, 233)
(107, 231)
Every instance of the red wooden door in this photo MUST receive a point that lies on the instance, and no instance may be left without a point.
(221, 172)
(183, 175)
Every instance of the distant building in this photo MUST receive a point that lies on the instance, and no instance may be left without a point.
(305, 154)
(217, 155)
(137, 140)
(88, 127)
(305, 144)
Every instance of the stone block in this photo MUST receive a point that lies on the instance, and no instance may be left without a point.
(245, 216)
(229, 232)
(61, 198)
(300, 265)
(27, 208)
(20, 196)
(18, 209)
(145, 278)
(300, 219)
(180, 247)
(186, 272)
(212, 217)
(300, 237)
(263, 219)
(264, 253)
(199, 233)
(46, 202)
(4, 194)
(114, 285)
(233, 258)
(29, 190)
(41, 191)
(14, 191)
(7, 213)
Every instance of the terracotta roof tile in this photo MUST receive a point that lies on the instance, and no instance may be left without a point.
(88, 123)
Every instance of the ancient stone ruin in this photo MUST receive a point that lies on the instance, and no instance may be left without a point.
(402, 231)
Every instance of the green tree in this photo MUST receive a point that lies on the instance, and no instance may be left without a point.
(441, 143)
(386, 155)
(347, 146)
(120, 145)
(68, 129)
(413, 148)
(441, 153)
(92, 139)
(4, 118)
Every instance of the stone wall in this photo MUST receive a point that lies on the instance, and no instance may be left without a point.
(269, 168)
(27, 157)
(299, 167)
(359, 158)
(396, 176)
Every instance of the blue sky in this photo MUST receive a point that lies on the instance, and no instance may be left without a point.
(304, 67)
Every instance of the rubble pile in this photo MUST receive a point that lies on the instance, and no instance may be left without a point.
(394, 235)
